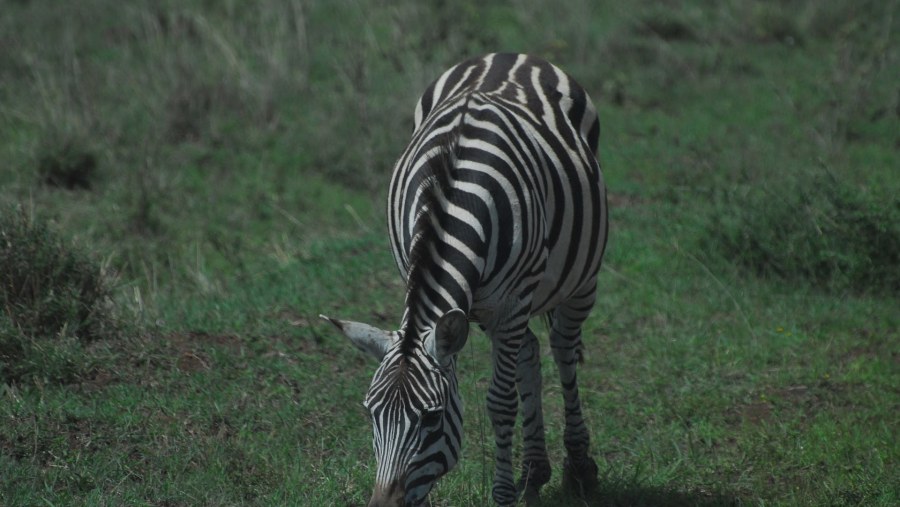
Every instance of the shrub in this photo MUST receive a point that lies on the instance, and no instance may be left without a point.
(53, 300)
(813, 227)
(68, 163)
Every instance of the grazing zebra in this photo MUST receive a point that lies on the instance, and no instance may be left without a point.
(497, 213)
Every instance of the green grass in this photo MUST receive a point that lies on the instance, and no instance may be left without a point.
(226, 166)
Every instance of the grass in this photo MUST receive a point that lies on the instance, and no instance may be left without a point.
(226, 167)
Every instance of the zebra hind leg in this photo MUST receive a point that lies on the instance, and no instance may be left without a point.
(579, 469)
(535, 464)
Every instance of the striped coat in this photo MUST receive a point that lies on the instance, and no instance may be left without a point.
(496, 213)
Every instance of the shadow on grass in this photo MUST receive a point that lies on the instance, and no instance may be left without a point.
(613, 493)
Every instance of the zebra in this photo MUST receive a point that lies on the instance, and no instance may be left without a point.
(496, 213)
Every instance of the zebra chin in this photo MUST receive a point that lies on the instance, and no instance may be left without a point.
(391, 495)
(394, 495)
(414, 494)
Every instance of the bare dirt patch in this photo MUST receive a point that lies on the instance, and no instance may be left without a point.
(192, 348)
(756, 413)
(97, 380)
(199, 338)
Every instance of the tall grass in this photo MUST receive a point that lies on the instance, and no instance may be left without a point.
(140, 101)
(228, 160)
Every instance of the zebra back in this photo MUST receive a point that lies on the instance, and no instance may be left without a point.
(519, 204)
(521, 78)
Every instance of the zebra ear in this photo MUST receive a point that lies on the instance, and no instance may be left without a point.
(369, 339)
(450, 335)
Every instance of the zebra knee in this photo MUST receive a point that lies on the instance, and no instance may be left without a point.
(528, 370)
(529, 352)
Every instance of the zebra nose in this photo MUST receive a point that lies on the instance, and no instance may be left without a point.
(390, 495)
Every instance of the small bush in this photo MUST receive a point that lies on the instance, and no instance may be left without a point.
(814, 228)
(53, 300)
(772, 23)
(67, 164)
(666, 25)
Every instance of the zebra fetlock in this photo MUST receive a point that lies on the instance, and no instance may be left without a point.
(534, 475)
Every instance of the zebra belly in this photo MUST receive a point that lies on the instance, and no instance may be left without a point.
(557, 287)
(554, 288)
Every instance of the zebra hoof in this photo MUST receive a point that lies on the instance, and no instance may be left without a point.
(530, 495)
(534, 475)
(580, 475)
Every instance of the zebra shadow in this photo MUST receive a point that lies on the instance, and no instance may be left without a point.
(613, 493)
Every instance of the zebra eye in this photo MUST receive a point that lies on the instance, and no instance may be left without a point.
(432, 418)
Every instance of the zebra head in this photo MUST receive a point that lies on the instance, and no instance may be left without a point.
(414, 405)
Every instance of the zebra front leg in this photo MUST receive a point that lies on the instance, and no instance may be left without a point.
(535, 464)
(579, 470)
(502, 406)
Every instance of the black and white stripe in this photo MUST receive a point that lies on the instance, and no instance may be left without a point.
(496, 213)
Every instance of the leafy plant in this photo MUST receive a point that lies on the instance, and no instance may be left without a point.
(812, 227)
(54, 299)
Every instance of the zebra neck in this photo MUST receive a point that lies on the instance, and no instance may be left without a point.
(440, 279)
(445, 253)
(441, 289)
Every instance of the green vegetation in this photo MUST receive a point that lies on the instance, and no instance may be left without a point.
(817, 229)
(54, 300)
(184, 186)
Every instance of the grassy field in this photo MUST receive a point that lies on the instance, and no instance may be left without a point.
(215, 172)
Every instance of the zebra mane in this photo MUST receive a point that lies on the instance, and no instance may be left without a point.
(437, 177)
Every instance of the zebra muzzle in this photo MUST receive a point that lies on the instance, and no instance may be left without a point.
(390, 495)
